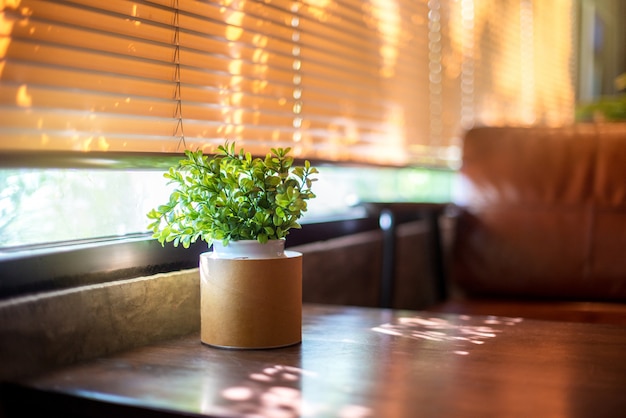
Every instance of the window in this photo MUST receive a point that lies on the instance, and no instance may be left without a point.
(43, 207)
(97, 96)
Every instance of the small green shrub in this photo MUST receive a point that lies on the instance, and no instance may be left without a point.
(232, 196)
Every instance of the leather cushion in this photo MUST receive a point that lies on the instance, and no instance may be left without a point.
(543, 213)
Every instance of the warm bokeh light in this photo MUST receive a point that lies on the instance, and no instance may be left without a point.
(23, 99)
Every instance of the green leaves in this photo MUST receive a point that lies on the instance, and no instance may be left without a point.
(233, 196)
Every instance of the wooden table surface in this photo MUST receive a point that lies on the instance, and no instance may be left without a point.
(363, 362)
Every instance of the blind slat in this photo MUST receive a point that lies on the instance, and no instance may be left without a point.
(100, 124)
(132, 19)
(49, 54)
(25, 73)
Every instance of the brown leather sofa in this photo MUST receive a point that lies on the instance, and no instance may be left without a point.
(541, 227)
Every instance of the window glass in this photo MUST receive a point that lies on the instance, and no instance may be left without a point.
(45, 206)
(51, 205)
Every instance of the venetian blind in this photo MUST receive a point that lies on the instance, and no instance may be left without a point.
(373, 81)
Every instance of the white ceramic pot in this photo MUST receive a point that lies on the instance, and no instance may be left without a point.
(250, 249)
(251, 295)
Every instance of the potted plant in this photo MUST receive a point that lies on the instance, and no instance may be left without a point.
(244, 206)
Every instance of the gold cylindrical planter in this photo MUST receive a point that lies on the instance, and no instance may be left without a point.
(251, 303)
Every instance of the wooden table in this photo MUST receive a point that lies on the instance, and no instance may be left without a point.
(357, 362)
